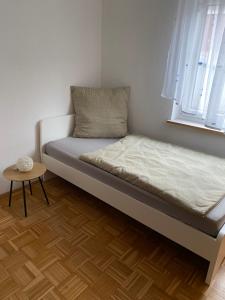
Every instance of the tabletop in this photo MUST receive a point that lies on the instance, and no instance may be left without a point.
(13, 174)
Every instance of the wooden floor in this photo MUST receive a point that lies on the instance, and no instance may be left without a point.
(80, 248)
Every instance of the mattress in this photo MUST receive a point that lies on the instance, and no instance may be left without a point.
(68, 150)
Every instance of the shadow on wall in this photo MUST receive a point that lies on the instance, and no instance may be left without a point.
(36, 154)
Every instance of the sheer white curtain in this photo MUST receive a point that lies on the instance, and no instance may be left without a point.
(195, 73)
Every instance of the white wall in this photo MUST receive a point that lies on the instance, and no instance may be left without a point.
(45, 46)
(136, 37)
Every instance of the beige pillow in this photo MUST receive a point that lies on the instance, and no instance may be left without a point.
(100, 112)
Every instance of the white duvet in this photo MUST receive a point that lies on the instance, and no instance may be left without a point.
(186, 178)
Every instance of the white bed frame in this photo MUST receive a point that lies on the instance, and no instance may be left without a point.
(212, 249)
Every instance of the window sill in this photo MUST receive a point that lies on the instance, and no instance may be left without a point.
(195, 126)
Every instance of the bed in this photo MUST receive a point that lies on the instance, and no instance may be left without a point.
(60, 153)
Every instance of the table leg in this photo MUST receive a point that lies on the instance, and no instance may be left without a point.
(10, 193)
(24, 200)
(30, 187)
(42, 186)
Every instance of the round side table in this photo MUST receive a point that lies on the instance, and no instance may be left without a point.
(13, 174)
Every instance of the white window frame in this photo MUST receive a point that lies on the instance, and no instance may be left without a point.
(178, 114)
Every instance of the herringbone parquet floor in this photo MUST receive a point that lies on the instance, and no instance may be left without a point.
(80, 248)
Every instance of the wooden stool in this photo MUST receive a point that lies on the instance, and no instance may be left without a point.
(13, 174)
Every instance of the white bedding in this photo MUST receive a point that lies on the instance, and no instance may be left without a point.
(190, 179)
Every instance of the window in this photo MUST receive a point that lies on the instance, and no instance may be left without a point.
(195, 75)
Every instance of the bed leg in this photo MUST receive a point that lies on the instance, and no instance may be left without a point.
(213, 268)
(215, 262)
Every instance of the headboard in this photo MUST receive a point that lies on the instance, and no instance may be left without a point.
(55, 128)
